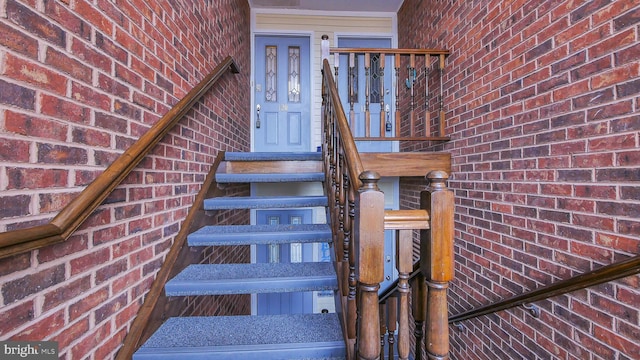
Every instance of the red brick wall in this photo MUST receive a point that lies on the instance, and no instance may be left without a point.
(542, 101)
(80, 81)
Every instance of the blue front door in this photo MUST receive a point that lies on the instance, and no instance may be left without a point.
(282, 94)
(285, 303)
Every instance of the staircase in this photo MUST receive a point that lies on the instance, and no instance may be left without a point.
(297, 336)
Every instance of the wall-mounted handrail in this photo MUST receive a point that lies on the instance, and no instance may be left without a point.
(78, 210)
(602, 275)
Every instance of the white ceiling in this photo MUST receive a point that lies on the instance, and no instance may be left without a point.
(329, 5)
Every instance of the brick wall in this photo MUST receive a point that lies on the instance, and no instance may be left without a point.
(80, 81)
(542, 101)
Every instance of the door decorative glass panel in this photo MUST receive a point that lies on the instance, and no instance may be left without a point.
(376, 75)
(271, 73)
(294, 74)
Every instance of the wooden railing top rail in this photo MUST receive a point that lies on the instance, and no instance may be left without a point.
(602, 275)
(350, 151)
(79, 209)
(406, 219)
(433, 52)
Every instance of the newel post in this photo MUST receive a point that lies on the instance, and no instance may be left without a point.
(437, 262)
(369, 259)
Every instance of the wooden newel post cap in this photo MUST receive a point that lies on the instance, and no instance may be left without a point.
(369, 179)
(437, 179)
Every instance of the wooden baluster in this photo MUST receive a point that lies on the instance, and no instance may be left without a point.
(412, 114)
(441, 130)
(342, 216)
(369, 245)
(332, 165)
(382, 308)
(382, 110)
(392, 323)
(347, 237)
(404, 256)
(396, 65)
(352, 85)
(419, 305)
(336, 201)
(325, 51)
(367, 94)
(336, 67)
(436, 261)
(351, 270)
(427, 113)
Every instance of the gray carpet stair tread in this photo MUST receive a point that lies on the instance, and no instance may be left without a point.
(259, 234)
(272, 156)
(263, 202)
(224, 279)
(269, 177)
(308, 336)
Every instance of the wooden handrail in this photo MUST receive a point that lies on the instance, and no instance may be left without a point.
(406, 219)
(433, 52)
(602, 275)
(351, 153)
(357, 217)
(358, 222)
(79, 209)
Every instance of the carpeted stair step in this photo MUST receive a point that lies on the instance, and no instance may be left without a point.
(225, 279)
(303, 336)
(270, 167)
(259, 234)
(273, 156)
(224, 178)
(263, 202)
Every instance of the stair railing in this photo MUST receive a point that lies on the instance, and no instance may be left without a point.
(358, 220)
(72, 216)
(413, 84)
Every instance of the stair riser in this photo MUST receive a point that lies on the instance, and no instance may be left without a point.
(262, 286)
(270, 167)
(273, 156)
(264, 203)
(257, 239)
(259, 352)
(269, 178)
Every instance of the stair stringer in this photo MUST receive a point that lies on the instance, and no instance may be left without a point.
(157, 306)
